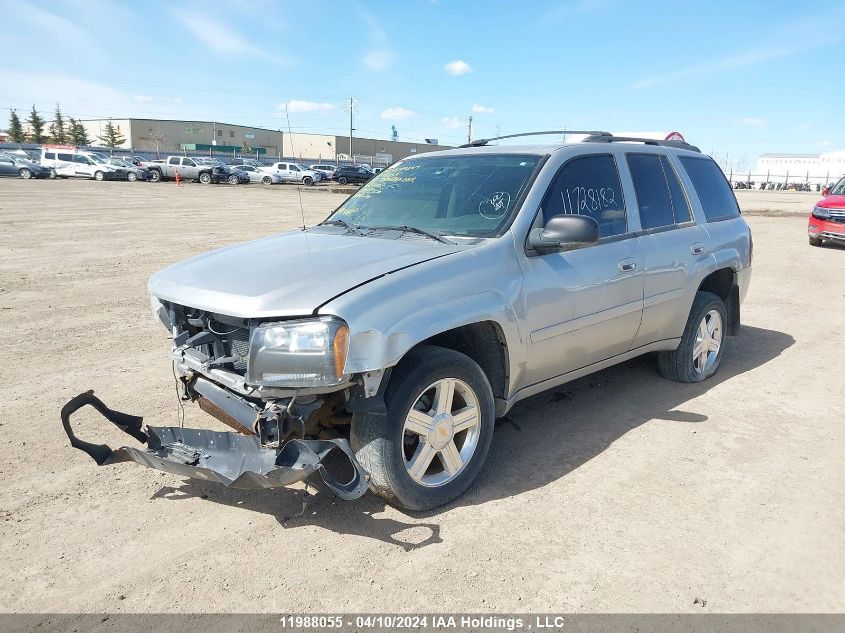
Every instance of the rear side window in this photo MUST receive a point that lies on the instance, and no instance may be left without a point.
(50, 155)
(589, 185)
(68, 157)
(174, 160)
(712, 188)
(660, 198)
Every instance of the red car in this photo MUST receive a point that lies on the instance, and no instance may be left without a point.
(827, 221)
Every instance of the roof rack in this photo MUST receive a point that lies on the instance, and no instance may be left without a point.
(590, 133)
(592, 136)
(601, 138)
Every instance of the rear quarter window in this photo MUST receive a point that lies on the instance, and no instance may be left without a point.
(714, 192)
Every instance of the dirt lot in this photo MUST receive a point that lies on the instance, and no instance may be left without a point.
(620, 492)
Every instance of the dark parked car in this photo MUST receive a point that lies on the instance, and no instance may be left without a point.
(15, 165)
(354, 174)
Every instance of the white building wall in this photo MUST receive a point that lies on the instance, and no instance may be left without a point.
(800, 166)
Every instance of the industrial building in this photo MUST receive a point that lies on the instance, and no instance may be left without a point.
(800, 167)
(169, 135)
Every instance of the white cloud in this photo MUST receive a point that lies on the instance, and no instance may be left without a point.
(142, 99)
(220, 38)
(397, 114)
(825, 143)
(379, 59)
(754, 121)
(458, 67)
(480, 109)
(298, 105)
(452, 122)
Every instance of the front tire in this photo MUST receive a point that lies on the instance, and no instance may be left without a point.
(205, 178)
(432, 442)
(25, 173)
(131, 176)
(53, 173)
(233, 180)
(700, 352)
(155, 175)
(815, 241)
(267, 180)
(342, 180)
(307, 181)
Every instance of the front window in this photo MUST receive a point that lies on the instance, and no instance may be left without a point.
(470, 195)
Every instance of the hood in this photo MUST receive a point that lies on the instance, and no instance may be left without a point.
(832, 202)
(289, 274)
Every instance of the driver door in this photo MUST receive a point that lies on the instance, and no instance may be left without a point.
(584, 306)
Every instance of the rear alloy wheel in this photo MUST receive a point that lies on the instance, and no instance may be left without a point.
(131, 176)
(205, 178)
(155, 175)
(342, 180)
(702, 343)
(99, 176)
(25, 173)
(267, 180)
(815, 241)
(432, 442)
(233, 179)
(52, 173)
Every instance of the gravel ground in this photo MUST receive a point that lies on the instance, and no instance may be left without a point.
(619, 492)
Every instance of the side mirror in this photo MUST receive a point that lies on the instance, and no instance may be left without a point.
(564, 233)
(826, 191)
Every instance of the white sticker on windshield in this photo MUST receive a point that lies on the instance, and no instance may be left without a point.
(495, 206)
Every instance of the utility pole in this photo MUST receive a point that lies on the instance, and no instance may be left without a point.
(469, 129)
(351, 107)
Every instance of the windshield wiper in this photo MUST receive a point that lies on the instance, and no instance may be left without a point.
(338, 222)
(411, 229)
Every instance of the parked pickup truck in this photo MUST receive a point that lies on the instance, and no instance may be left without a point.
(188, 169)
(447, 289)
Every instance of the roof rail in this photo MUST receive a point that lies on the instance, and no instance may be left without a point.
(590, 133)
(602, 138)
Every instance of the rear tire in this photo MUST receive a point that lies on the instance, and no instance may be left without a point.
(342, 180)
(205, 178)
(25, 173)
(815, 241)
(420, 470)
(267, 180)
(700, 352)
(131, 176)
(99, 176)
(53, 173)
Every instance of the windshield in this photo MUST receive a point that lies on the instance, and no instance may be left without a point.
(470, 195)
(99, 159)
(838, 188)
(120, 163)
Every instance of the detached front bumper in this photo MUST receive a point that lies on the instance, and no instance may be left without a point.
(232, 459)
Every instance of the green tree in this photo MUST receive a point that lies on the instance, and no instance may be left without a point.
(113, 136)
(58, 132)
(15, 128)
(36, 127)
(77, 134)
(246, 149)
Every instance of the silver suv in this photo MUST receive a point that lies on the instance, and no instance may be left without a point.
(445, 290)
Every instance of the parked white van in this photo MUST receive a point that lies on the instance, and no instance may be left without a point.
(67, 162)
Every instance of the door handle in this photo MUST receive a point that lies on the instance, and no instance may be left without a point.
(697, 248)
(627, 265)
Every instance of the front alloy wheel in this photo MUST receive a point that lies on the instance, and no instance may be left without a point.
(441, 432)
(25, 173)
(431, 443)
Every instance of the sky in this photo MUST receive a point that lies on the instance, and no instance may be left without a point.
(736, 78)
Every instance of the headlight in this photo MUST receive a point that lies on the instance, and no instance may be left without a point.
(160, 312)
(821, 213)
(307, 353)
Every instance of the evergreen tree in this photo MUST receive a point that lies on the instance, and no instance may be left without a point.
(57, 128)
(15, 128)
(112, 137)
(76, 133)
(36, 127)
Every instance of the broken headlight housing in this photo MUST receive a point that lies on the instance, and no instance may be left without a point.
(302, 353)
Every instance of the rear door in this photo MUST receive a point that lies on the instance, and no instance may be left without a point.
(7, 166)
(673, 245)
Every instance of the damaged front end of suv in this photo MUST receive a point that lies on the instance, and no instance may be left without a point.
(278, 384)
